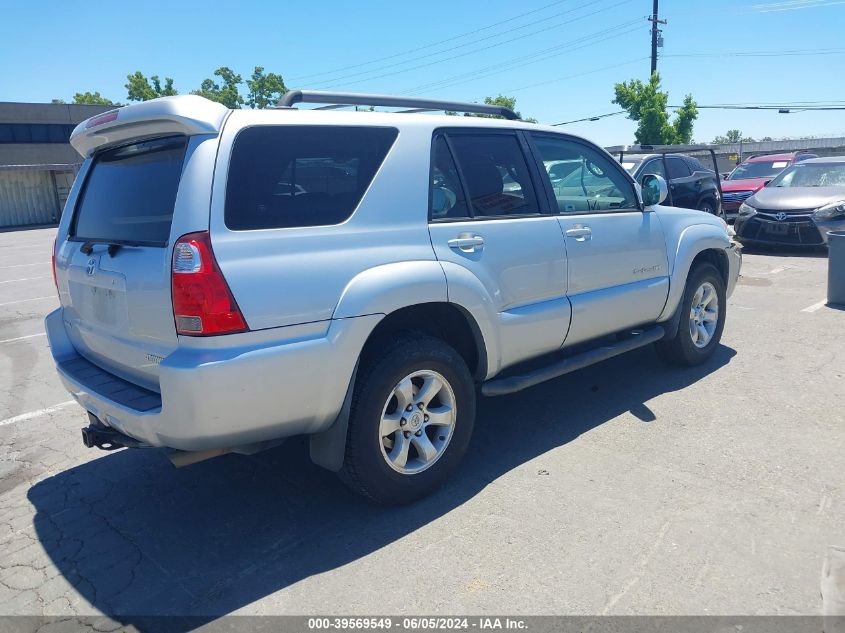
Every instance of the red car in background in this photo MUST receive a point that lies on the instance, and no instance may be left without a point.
(753, 174)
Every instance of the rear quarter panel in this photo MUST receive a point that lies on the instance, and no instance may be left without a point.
(288, 276)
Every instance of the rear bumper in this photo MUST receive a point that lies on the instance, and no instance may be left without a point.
(261, 386)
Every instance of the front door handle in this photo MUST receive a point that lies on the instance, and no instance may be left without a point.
(467, 242)
(580, 233)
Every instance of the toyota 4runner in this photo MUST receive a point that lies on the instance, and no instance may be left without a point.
(231, 278)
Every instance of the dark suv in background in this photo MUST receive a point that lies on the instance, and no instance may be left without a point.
(691, 184)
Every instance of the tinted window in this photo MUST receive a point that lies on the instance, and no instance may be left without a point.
(130, 192)
(35, 132)
(594, 182)
(289, 176)
(654, 167)
(447, 195)
(677, 168)
(496, 174)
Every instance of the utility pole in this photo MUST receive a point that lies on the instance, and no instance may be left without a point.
(656, 39)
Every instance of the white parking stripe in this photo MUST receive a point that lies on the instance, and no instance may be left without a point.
(815, 307)
(20, 338)
(24, 265)
(23, 417)
(8, 281)
(8, 303)
(777, 270)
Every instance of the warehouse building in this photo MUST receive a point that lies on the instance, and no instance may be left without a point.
(37, 163)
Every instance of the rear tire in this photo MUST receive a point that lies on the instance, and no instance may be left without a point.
(702, 319)
(410, 422)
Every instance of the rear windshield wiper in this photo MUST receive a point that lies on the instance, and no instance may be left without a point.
(88, 247)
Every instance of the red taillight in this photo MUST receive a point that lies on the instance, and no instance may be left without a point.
(55, 279)
(203, 305)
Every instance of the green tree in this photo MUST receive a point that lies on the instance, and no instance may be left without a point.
(645, 103)
(264, 88)
(92, 98)
(227, 93)
(732, 136)
(58, 101)
(139, 88)
(500, 100)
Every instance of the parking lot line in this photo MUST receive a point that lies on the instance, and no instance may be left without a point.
(8, 281)
(8, 303)
(34, 414)
(24, 265)
(815, 306)
(20, 338)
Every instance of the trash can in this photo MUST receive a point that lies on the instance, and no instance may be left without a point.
(836, 268)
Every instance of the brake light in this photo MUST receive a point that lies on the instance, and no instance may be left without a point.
(55, 279)
(106, 117)
(203, 305)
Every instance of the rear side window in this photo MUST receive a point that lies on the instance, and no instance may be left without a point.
(293, 176)
(677, 168)
(495, 174)
(130, 193)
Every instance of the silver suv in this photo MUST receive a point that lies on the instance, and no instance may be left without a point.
(231, 278)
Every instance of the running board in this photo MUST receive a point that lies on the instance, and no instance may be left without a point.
(512, 384)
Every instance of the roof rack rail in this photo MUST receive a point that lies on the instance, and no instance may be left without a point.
(341, 99)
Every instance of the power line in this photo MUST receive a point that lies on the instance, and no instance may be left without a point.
(589, 72)
(464, 54)
(532, 58)
(433, 44)
(785, 108)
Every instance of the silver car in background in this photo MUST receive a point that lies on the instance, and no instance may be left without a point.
(798, 207)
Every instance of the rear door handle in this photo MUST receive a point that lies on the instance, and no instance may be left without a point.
(467, 242)
(580, 233)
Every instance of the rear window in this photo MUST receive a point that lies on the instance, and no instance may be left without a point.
(130, 193)
(292, 176)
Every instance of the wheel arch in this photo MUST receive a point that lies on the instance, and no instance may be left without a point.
(696, 243)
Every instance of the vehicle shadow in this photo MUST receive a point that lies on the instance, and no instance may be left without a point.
(138, 538)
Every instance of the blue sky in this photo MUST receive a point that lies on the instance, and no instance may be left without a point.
(560, 59)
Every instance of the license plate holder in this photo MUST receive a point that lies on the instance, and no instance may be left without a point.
(780, 228)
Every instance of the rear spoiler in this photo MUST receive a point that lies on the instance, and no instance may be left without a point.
(183, 114)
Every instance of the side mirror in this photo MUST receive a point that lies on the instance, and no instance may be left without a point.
(655, 190)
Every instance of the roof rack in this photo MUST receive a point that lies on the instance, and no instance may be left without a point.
(341, 99)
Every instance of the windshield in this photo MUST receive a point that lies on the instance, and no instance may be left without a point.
(812, 175)
(759, 169)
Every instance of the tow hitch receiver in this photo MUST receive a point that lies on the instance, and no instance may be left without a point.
(105, 438)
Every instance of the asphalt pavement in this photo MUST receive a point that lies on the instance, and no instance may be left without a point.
(626, 488)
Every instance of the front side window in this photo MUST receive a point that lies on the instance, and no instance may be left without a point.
(654, 168)
(288, 176)
(495, 174)
(594, 182)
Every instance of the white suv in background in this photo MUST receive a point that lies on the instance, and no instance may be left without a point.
(231, 278)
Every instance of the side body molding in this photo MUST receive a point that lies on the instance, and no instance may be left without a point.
(691, 241)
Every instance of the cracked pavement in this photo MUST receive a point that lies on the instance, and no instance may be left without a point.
(625, 488)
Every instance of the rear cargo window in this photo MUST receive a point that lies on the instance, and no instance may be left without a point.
(290, 176)
(130, 193)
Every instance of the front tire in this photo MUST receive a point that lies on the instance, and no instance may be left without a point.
(702, 319)
(410, 422)
(709, 206)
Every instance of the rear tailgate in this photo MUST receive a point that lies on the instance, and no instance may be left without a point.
(145, 183)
